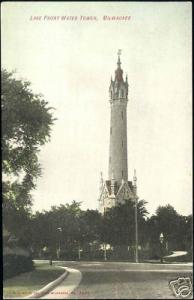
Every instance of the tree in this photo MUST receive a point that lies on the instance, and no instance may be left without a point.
(90, 226)
(57, 228)
(39, 231)
(26, 125)
(168, 223)
(119, 223)
(184, 233)
(175, 227)
(66, 227)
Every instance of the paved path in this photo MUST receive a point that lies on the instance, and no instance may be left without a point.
(118, 280)
(66, 287)
(177, 253)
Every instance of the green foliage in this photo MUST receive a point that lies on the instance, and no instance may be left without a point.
(119, 223)
(57, 226)
(18, 222)
(65, 226)
(90, 226)
(177, 229)
(16, 264)
(26, 125)
(70, 228)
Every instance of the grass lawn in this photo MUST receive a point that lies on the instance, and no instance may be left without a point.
(24, 284)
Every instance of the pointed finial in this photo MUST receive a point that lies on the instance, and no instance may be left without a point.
(134, 185)
(101, 181)
(101, 176)
(112, 174)
(134, 178)
(119, 61)
(119, 53)
(112, 184)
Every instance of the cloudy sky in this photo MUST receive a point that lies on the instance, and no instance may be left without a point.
(71, 61)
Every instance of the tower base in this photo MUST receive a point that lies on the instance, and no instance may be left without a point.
(114, 193)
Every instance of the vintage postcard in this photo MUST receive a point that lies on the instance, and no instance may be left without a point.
(97, 150)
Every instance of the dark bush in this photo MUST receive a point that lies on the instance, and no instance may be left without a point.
(15, 264)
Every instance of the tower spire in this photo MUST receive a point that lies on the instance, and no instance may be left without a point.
(119, 71)
(119, 61)
(101, 181)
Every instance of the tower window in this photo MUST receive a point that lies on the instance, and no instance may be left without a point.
(122, 115)
(122, 93)
(122, 143)
(122, 173)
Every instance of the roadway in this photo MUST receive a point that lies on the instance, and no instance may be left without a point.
(118, 280)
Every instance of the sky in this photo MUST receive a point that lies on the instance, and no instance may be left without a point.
(71, 62)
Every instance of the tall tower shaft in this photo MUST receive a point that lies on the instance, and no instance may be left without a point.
(118, 93)
(117, 189)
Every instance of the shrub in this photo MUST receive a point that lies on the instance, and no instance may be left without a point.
(14, 264)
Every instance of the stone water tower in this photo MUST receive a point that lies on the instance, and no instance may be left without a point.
(117, 189)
